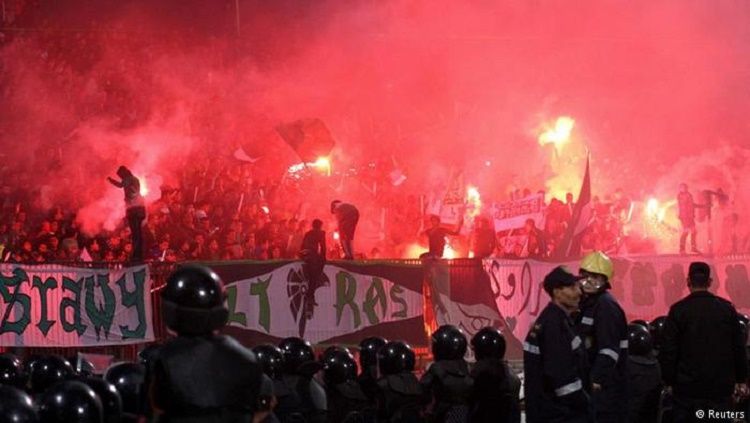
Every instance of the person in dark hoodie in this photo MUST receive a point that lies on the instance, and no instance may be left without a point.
(496, 388)
(447, 382)
(135, 208)
(644, 376)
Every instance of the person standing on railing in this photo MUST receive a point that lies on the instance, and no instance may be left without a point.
(135, 208)
(347, 217)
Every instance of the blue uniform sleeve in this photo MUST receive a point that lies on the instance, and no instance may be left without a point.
(611, 341)
(560, 366)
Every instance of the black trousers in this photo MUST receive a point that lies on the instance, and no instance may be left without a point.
(136, 216)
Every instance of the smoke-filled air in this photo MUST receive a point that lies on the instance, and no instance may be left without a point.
(241, 114)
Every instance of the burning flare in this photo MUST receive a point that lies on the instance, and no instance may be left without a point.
(559, 134)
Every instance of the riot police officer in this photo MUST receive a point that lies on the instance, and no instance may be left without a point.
(399, 397)
(300, 397)
(554, 359)
(201, 376)
(447, 382)
(496, 388)
(656, 328)
(16, 406)
(346, 401)
(70, 401)
(368, 365)
(604, 328)
(11, 371)
(644, 376)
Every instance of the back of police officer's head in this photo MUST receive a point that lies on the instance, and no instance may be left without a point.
(699, 276)
(193, 301)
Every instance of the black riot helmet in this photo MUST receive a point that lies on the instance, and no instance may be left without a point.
(448, 343)
(49, 370)
(70, 401)
(331, 350)
(339, 367)
(368, 351)
(16, 406)
(657, 329)
(11, 371)
(193, 301)
(396, 357)
(488, 343)
(108, 395)
(297, 353)
(270, 359)
(641, 322)
(128, 379)
(744, 330)
(639, 340)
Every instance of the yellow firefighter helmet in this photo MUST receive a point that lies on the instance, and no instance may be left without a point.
(598, 262)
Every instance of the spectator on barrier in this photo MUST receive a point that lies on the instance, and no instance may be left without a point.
(482, 238)
(703, 355)
(347, 217)
(135, 207)
(436, 237)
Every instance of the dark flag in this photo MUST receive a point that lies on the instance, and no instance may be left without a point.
(310, 138)
(582, 212)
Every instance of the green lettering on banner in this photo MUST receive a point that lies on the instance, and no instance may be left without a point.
(260, 289)
(135, 298)
(101, 316)
(346, 289)
(234, 316)
(375, 295)
(75, 303)
(45, 324)
(13, 298)
(395, 293)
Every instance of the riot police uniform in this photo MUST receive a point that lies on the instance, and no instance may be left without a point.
(603, 327)
(368, 365)
(554, 363)
(346, 401)
(447, 381)
(644, 376)
(496, 388)
(301, 399)
(200, 376)
(399, 396)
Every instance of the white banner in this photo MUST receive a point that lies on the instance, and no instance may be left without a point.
(513, 214)
(59, 306)
(276, 303)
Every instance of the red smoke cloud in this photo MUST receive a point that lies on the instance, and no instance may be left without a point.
(653, 89)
